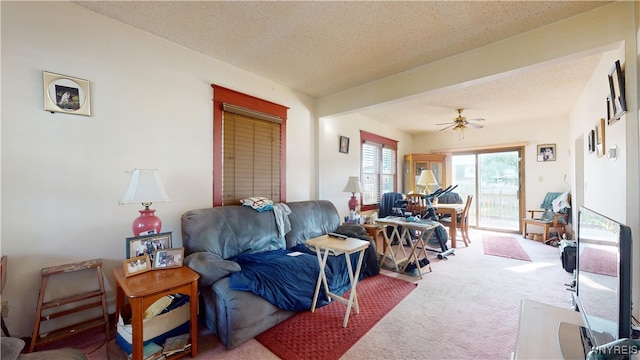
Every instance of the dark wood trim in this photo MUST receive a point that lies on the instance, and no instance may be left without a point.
(223, 95)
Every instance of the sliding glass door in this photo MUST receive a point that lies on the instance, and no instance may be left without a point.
(493, 177)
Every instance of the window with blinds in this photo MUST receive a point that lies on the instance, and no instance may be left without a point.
(378, 168)
(251, 160)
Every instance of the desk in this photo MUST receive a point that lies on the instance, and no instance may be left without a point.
(336, 247)
(453, 210)
(538, 330)
(426, 230)
(144, 289)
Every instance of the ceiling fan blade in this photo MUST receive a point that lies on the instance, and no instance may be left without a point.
(447, 123)
(448, 127)
(478, 119)
(475, 125)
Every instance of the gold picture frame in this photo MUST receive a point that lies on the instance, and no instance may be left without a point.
(546, 152)
(599, 141)
(66, 94)
(136, 265)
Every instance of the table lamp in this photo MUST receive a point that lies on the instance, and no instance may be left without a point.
(145, 187)
(427, 179)
(353, 186)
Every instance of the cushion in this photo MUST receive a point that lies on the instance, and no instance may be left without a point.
(210, 266)
(11, 348)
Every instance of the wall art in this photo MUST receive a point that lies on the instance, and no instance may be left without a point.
(66, 94)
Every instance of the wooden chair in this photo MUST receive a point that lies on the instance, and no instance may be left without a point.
(416, 204)
(462, 221)
(553, 220)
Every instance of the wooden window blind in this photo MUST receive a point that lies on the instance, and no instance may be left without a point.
(251, 160)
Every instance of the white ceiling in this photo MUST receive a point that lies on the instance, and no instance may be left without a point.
(322, 47)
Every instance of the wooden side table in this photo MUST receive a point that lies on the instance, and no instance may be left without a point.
(336, 246)
(144, 289)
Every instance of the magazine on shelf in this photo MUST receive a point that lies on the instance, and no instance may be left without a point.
(175, 344)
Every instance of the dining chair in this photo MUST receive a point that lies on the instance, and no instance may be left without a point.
(462, 221)
(416, 204)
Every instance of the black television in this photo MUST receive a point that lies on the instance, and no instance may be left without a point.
(603, 279)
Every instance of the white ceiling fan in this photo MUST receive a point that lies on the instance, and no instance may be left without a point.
(460, 123)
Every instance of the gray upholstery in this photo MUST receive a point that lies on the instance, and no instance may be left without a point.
(11, 347)
(212, 235)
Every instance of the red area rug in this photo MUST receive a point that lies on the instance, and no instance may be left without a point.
(599, 261)
(504, 246)
(320, 335)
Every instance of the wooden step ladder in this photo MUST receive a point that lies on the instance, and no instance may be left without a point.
(81, 299)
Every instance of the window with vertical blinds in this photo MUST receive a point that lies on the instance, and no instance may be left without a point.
(378, 168)
(251, 160)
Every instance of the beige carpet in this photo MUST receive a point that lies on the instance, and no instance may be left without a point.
(467, 308)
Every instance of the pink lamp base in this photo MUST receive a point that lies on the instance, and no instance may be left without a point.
(353, 203)
(147, 223)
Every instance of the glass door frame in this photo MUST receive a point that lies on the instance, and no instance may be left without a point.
(475, 221)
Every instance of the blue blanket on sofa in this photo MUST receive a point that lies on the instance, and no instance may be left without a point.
(289, 282)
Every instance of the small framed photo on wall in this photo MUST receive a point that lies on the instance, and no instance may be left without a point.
(600, 149)
(344, 145)
(616, 87)
(591, 135)
(66, 94)
(547, 152)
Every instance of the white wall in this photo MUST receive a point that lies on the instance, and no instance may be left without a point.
(62, 175)
(605, 181)
(336, 167)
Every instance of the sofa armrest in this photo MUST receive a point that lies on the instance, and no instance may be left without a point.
(210, 266)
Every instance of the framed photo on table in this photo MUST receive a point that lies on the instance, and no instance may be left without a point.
(168, 258)
(147, 244)
(136, 265)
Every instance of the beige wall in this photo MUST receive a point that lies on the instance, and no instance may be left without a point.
(62, 175)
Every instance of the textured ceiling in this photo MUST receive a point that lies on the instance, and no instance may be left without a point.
(323, 47)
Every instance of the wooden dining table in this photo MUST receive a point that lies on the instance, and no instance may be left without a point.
(452, 210)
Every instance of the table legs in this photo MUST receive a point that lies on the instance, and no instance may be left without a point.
(388, 248)
(353, 277)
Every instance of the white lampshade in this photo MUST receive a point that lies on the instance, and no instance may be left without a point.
(427, 178)
(353, 185)
(145, 187)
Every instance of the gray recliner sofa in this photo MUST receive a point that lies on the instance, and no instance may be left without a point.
(211, 236)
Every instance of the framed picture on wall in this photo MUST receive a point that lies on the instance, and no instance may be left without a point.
(611, 118)
(66, 94)
(344, 145)
(616, 87)
(600, 138)
(592, 141)
(547, 152)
